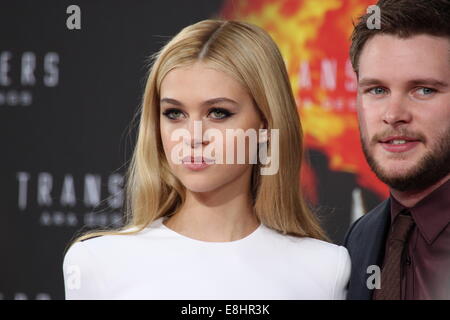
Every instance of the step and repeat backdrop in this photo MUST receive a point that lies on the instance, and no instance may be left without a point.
(71, 79)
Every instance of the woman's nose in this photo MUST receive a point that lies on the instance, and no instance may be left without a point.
(195, 138)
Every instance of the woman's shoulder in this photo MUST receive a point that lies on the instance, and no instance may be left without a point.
(88, 262)
(325, 254)
(84, 252)
(116, 237)
(316, 246)
(313, 248)
(328, 263)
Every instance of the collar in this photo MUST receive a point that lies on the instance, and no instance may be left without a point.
(431, 214)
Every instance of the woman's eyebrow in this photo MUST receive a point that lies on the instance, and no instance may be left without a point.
(171, 101)
(219, 100)
(205, 103)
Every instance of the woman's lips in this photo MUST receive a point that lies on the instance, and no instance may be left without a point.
(197, 163)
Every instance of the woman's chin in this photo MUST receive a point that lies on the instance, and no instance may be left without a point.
(200, 188)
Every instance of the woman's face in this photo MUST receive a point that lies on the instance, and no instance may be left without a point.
(200, 96)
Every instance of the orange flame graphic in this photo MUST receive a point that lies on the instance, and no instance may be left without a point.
(313, 37)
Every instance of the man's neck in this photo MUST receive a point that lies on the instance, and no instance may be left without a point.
(411, 198)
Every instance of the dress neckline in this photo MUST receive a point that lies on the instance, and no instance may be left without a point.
(254, 233)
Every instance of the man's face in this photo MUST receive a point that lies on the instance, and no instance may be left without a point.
(404, 109)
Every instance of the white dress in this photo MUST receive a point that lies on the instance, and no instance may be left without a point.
(159, 263)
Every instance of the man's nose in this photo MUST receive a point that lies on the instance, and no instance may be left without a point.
(397, 111)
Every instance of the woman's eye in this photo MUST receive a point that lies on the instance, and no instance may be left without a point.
(218, 113)
(377, 90)
(172, 114)
(215, 113)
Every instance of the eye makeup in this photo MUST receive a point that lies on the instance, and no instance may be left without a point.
(217, 112)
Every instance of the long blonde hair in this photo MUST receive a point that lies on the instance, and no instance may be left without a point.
(247, 53)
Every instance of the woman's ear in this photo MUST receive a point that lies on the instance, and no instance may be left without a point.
(263, 134)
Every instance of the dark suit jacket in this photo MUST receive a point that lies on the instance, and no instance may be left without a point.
(365, 241)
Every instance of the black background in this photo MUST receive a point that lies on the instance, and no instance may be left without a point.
(84, 125)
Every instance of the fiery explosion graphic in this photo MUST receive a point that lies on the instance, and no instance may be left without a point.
(313, 36)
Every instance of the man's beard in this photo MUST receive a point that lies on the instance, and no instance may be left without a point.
(432, 167)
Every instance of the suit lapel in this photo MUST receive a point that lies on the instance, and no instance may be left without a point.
(367, 249)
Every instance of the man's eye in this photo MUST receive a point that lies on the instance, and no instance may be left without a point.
(425, 91)
(377, 90)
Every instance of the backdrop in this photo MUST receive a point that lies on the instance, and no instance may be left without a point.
(69, 89)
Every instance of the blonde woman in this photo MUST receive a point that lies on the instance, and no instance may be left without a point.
(200, 227)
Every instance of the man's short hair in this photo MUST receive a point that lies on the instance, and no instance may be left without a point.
(402, 18)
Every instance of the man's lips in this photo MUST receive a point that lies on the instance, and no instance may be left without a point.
(399, 144)
(398, 139)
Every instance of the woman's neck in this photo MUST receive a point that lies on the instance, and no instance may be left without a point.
(225, 214)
